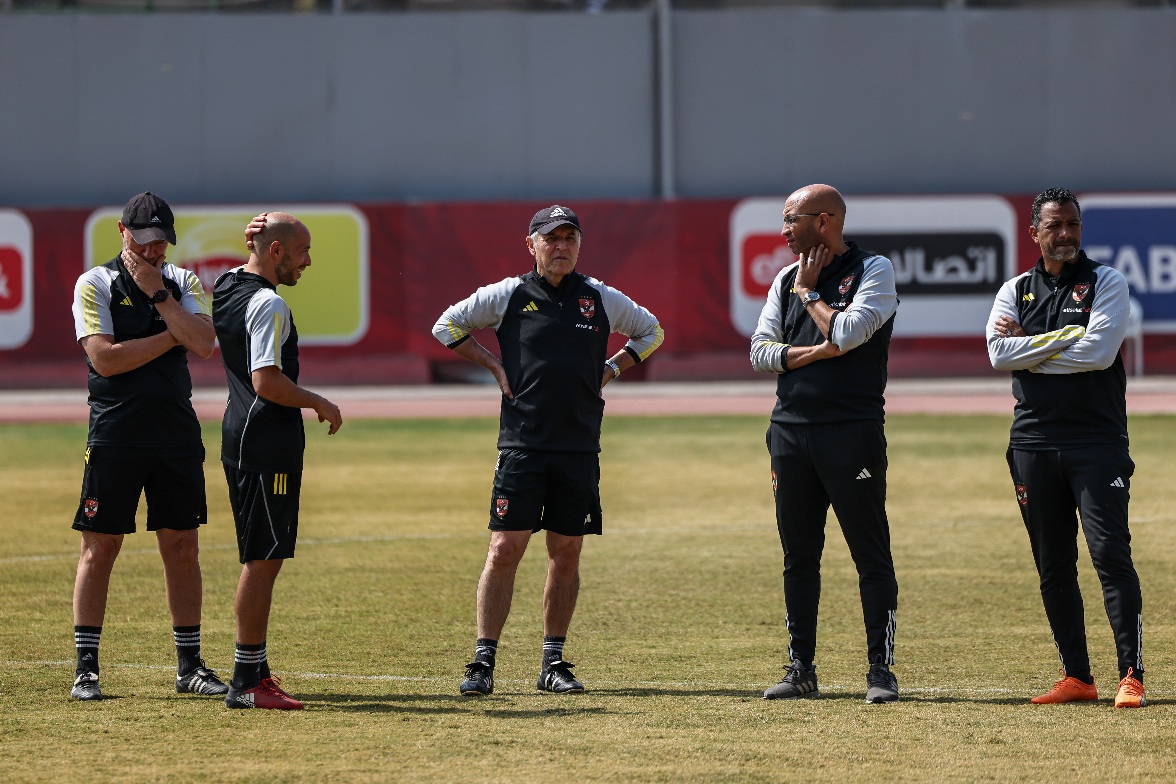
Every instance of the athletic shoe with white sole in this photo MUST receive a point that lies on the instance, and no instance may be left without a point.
(263, 695)
(881, 685)
(86, 688)
(479, 679)
(201, 680)
(557, 677)
(799, 682)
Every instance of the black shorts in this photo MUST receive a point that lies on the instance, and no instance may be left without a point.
(116, 477)
(556, 491)
(265, 510)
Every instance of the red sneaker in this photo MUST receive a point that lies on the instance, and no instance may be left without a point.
(264, 695)
(1067, 690)
(1131, 694)
(274, 683)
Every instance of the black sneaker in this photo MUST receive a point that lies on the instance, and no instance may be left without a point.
(557, 676)
(881, 685)
(799, 682)
(479, 679)
(201, 680)
(86, 687)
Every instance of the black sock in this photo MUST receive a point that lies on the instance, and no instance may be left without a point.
(553, 649)
(86, 639)
(485, 651)
(187, 648)
(1085, 677)
(248, 664)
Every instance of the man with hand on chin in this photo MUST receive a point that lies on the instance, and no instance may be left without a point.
(137, 317)
(825, 330)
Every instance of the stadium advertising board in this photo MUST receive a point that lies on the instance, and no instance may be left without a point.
(1136, 234)
(331, 305)
(16, 279)
(950, 254)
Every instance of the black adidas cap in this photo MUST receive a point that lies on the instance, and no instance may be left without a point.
(546, 220)
(149, 219)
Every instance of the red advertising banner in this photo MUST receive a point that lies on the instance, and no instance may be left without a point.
(385, 273)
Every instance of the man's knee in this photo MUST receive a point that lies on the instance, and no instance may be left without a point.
(179, 546)
(564, 551)
(506, 549)
(99, 551)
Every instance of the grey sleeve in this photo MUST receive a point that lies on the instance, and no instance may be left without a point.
(1097, 348)
(1022, 353)
(482, 309)
(768, 349)
(630, 319)
(875, 302)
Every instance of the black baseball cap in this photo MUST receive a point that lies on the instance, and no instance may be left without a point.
(546, 220)
(149, 219)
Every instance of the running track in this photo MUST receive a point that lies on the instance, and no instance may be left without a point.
(1154, 395)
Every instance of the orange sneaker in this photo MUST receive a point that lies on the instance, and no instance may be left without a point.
(1130, 692)
(1067, 690)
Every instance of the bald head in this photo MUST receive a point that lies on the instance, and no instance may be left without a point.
(280, 227)
(819, 198)
(814, 215)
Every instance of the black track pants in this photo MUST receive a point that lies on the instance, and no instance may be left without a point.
(844, 466)
(1095, 481)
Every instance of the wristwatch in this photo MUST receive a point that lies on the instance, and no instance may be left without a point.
(160, 296)
(614, 367)
(810, 298)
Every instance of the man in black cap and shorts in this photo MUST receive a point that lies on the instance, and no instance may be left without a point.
(262, 438)
(137, 317)
(553, 325)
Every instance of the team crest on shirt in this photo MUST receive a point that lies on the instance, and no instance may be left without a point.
(501, 505)
(846, 282)
(90, 507)
(587, 307)
(1022, 494)
(1080, 291)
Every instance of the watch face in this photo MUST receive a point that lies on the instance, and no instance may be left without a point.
(159, 296)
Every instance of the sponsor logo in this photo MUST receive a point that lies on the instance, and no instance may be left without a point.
(127, 301)
(587, 326)
(558, 212)
(1022, 494)
(530, 307)
(846, 282)
(16, 279)
(865, 474)
(501, 505)
(950, 257)
(1080, 291)
(1028, 297)
(587, 307)
(11, 279)
(90, 507)
(1075, 310)
(1118, 482)
(331, 306)
(775, 484)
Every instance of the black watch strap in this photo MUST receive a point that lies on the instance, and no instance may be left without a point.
(160, 296)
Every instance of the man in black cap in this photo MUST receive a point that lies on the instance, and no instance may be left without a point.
(137, 317)
(553, 325)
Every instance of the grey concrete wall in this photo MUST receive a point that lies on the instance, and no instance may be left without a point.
(473, 106)
(926, 101)
(212, 108)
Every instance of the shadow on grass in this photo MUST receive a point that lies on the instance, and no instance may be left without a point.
(494, 706)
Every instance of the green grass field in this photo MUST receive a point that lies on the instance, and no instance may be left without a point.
(678, 630)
